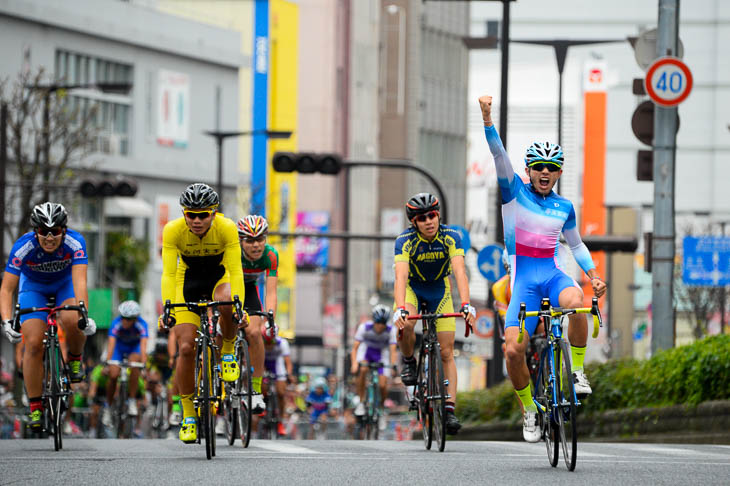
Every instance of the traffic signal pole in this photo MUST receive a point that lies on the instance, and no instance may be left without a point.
(665, 144)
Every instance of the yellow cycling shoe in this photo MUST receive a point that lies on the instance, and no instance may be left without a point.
(229, 368)
(189, 430)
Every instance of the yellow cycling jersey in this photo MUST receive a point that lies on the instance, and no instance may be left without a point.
(502, 294)
(206, 259)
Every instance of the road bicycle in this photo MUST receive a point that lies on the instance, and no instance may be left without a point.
(159, 423)
(56, 381)
(208, 380)
(369, 422)
(554, 392)
(429, 394)
(237, 395)
(269, 422)
(123, 422)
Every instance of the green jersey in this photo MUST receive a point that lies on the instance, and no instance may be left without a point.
(268, 264)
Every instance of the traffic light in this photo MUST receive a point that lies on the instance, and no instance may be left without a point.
(107, 187)
(611, 243)
(306, 163)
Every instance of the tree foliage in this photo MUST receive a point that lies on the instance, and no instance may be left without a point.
(127, 261)
(70, 134)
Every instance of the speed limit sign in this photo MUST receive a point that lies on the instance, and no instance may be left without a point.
(668, 81)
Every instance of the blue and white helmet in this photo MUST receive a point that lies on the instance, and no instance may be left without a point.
(544, 152)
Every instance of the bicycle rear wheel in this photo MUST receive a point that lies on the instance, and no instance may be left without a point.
(230, 412)
(438, 400)
(243, 392)
(425, 413)
(567, 406)
(55, 397)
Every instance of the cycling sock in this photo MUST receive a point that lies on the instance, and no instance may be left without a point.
(256, 384)
(176, 403)
(577, 354)
(525, 395)
(228, 346)
(449, 406)
(35, 404)
(187, 405)
(74, 357)
(409, 359)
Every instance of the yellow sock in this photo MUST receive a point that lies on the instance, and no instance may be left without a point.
(187, 405)
(256, 384)
(228, 346)
(525, 396)
(577, 354)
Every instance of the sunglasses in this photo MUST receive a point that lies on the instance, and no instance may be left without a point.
(248, 239)
(50, 232)
(198, 214)
(540, 166)
(425, 217)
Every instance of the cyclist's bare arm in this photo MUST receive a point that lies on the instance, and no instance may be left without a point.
(78, 277)
(169, 266)
(393, 354)
(353, 356)
(271, 282)
(143, 349)
(110, 345)
(288, 365)
(10, 283)
(399, 293)
(458, 267)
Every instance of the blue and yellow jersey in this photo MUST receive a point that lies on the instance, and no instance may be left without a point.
(428, 261)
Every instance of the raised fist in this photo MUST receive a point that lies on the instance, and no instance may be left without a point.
(485, 103)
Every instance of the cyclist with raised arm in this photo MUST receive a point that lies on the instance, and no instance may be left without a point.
(50, 261)
(201, 260)
(425, 255)
(128, 335)
(258, 258)
(375, 342)
(534, 217)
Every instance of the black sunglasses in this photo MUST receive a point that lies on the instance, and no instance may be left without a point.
(49, 232)
(421, 218)
(198, 214)
(540, 166)
(249, 239)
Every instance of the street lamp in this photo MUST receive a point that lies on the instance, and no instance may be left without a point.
(104, 87)
(221, 135)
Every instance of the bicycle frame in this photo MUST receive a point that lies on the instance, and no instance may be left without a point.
(429, 362)
(56, 382)
(207, 374)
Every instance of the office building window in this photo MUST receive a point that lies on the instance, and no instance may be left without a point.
(114, 110)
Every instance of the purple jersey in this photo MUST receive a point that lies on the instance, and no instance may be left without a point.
(28, 258)
(374, 346)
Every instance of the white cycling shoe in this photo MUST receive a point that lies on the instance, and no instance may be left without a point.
(360, 409)
(581, 384)
(530, 430)
(257, 403)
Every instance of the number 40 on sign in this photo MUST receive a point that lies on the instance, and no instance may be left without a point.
(668, 81)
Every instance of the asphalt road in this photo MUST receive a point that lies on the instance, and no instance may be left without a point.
(110, 462)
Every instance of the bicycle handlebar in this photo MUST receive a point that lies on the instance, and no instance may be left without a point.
(269, 316)
(198, 307)
(547, 311)
(125, 363)
(80, 308)
(415, 317)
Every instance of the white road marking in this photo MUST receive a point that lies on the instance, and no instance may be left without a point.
(279, 446)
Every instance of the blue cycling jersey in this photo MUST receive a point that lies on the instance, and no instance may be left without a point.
(428, 261)
(532, 227)
(28, 258)
(128, 337)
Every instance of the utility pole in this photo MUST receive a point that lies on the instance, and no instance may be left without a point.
(665, 146)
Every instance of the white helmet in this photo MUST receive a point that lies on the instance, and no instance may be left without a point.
(129, 309)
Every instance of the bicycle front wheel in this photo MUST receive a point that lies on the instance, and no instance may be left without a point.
(425, 413)
(206, 427)
(544, 397)
(438, 399)
(567, 409)
(243, 391)
(55, 398)
(230, 412)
